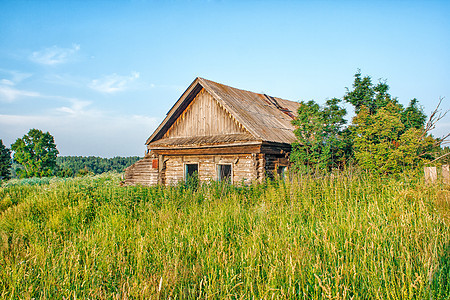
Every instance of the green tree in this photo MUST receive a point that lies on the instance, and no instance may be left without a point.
(373, 97)
(382, 144)
(36, 152)
(366, 94)
(387, 137)
(320, 143)
(413, 116)
(5, 161)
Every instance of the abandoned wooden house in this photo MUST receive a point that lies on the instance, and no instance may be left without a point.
(219, 133)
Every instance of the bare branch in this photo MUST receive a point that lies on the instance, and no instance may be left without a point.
(438, 158)
(435, 116)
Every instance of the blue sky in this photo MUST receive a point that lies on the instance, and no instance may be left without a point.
(101, 75)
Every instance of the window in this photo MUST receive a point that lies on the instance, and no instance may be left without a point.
(224, 173)
(190, 170)
(281, 172)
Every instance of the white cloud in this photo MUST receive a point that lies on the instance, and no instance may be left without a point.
(6, 82)
(113, 83)
(10, 94)
(65, 79)
(19, 76)
(77, 108)
(14, 76)
(54, 55)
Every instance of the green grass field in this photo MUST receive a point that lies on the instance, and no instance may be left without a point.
(338, 237)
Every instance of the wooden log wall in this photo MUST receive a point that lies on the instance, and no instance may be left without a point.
(273, 162)
(142, 172)
(170, 169)
(242, 167)
(260, 167)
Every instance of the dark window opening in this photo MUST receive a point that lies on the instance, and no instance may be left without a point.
(190, 170)
(191, 175)
(281, 171)
(224, 173)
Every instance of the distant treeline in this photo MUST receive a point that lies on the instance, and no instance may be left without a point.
(81, 165)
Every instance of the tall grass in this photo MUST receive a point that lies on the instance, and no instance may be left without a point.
(335, 237)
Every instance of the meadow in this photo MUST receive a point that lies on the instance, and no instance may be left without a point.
(346, 236)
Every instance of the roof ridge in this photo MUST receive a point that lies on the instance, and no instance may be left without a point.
(235, 88)
(270, 99)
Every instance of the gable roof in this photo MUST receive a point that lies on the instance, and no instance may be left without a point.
(266, 118)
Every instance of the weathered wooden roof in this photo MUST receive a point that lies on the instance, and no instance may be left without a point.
(265, 117)
(203, 140)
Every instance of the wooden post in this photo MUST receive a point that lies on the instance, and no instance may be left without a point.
(445, 174)
(430, 174)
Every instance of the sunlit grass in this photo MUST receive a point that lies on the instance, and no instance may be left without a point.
(333, 237)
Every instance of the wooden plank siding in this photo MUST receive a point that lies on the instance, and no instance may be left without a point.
(204, 117)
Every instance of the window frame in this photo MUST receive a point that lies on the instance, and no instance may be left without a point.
(218, 166)
(185, 171)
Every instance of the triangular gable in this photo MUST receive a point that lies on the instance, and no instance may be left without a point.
(174, 121)
(204, 116)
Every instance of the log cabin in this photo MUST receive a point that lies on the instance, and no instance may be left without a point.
(218, 132)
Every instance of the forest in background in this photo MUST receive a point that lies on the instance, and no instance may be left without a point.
(70, 166)
(81, 165)
(93, 164)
